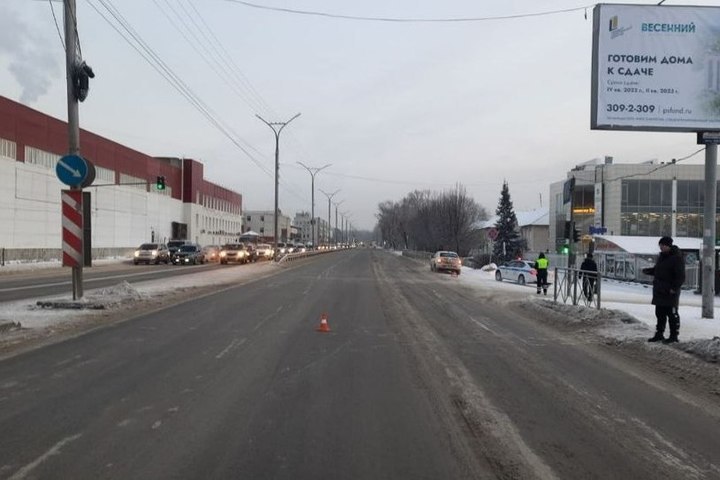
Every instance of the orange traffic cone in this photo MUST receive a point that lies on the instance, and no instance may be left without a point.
(323, 327)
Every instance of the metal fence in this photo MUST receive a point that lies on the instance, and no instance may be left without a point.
(579, 287)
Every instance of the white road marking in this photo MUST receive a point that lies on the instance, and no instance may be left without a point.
(482, 325)
(54, 450)
(156, 425)
(235, 343)
(277, 310)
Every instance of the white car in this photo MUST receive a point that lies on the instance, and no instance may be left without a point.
(264, 250)
(520, 271)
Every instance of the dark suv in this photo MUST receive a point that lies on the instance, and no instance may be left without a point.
(174, 246)
(189, 254)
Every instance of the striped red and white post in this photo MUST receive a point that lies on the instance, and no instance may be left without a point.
(72, 228)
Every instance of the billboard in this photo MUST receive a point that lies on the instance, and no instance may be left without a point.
(655, 68)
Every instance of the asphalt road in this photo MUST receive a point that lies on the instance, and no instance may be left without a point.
(419, 378)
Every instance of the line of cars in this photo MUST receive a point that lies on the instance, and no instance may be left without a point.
(183, 252)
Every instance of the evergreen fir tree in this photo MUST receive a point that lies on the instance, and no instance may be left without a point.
(508, 243)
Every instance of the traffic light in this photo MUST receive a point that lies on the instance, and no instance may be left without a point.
(81, 76)
(565, 250)
(567, 230)
(576, 235)
(160, 183)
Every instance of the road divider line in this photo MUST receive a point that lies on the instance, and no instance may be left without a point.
(482, 325)
(54, 450)
(235, 343)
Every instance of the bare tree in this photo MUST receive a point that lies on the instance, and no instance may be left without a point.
(430, 221)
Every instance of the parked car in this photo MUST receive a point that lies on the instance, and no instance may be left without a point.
(264, 251)
(212, 253)
(445, 261)
(520, 271)
(174, 246)
(189, 254)
(152, 253)
(235, 252)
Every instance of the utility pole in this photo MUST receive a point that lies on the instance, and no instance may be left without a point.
(313, 171)
(71, 64)
(335, 232)
(273, 126)
(329, 197)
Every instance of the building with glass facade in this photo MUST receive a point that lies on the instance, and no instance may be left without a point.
(648, 199)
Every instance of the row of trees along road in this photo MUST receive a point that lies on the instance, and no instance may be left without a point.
(430, 221)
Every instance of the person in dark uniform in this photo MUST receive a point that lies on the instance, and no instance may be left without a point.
(669, 275)
(589, 275)
(541, 265)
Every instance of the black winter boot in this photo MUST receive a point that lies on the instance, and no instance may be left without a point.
(657, 338)
(673, 338)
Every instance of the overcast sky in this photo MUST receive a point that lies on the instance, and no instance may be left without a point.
(393, 106)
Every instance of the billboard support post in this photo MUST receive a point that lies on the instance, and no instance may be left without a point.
(709, 212)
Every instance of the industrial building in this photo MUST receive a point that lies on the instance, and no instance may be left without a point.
(126, 207)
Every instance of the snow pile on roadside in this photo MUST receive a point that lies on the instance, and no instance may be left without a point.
(617, 326)
(580, 316)
(708, 350)
(122, 293)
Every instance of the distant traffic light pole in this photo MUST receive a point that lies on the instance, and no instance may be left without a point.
(276, 131)
(314, 171)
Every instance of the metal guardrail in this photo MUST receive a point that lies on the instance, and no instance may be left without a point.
(290, 257)
(575, 286)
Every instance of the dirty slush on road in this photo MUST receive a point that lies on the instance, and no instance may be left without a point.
(481, 435)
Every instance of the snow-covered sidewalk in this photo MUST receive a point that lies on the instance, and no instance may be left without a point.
(632, 298)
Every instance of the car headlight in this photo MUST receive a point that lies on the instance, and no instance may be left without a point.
(137, 253)
(154, 253)
(222, 254)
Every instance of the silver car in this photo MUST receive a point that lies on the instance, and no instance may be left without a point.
(151, 253)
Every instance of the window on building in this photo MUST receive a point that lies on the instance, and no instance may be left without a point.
(42, 158)
(8, 149)
(104, 175)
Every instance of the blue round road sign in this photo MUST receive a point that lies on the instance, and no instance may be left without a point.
(72, 170)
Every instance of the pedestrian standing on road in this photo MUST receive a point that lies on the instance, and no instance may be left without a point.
(668, 277)
(541, 267)
(588, 271)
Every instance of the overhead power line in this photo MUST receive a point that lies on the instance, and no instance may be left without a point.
(135, 40)
(659, 167)
(408, 20)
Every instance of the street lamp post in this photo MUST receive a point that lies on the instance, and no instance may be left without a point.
(335, 232)
(276, 131)
(329, 197)
(346, 220)
(313, 171)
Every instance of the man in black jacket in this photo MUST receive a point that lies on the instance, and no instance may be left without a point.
(669, 275)
(588, 271)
